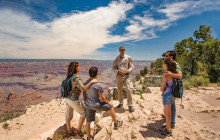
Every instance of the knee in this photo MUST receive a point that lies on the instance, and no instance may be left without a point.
(69, 117)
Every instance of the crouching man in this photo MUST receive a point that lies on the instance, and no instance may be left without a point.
(93, 103)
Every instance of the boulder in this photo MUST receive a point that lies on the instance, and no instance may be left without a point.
(146, 89)
(153, 81)
(102, 135)
(147, 112)
(60, 133)
(116, 135)
(113, 91)
(104, 121)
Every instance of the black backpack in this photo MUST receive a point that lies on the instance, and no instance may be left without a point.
(66, 87)
(177, 90)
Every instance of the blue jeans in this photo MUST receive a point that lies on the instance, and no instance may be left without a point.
(173, 113)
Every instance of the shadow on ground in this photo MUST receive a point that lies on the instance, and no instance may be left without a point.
(152, 129)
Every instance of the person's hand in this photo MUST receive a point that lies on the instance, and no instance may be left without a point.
(126, 72)
(168, 74)
(94, 81)
(110, 104)
(121, 72)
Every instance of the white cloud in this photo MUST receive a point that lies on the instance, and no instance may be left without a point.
(145, 27)
(70, 36)
(80, 34)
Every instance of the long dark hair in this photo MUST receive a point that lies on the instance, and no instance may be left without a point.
(72, 69)
(171, 66)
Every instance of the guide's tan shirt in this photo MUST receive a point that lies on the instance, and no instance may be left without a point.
(125, 63)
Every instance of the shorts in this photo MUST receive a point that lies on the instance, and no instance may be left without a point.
(168, 98)
(74, 105)
(90, 111)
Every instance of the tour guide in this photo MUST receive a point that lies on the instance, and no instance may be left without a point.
(122, 67)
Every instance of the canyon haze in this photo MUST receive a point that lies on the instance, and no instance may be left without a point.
(25, 82)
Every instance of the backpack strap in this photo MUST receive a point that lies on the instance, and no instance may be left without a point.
(71, 78)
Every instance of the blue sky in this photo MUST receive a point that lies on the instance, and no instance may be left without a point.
(85, 29)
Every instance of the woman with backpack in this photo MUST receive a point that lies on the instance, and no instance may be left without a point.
(72, 102)
(166, 88)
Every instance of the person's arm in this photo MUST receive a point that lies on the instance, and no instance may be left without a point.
(84, 95)
(114, 66)
(81, 86)
(89, 84)
(130, 66)
(102, 97)
(174, 75)
(163, 83)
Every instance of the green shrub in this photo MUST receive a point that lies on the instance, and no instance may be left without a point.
(133, 135)
(187, 84)
(199, 81)
(5, 125)
(218, 84)
(137, 77)
(83, 129)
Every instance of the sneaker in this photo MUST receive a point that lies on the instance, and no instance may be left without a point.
(118, 124)
(119, 106)
(91, 138)
(131, 109)
(172, 126)
(166, 132)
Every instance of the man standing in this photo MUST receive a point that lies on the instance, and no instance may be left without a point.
(172, 56)
(122, 67)
(93, 103)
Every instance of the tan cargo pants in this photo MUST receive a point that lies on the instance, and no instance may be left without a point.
(123, 80)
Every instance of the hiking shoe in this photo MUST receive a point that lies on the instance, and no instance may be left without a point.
(131, 109)
(166, 132)
(172, 126)
(119, 106)
(118, 124)
(91, 138)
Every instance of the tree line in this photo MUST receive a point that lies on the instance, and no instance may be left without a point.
(198, 56)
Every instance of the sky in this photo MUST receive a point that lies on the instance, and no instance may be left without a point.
(95, 29)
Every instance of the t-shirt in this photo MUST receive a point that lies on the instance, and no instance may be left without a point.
(178, 69)
(92, 94)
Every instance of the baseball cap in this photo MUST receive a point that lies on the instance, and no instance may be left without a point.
(121, 48)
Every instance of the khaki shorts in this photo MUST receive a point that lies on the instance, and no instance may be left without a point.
(74, 105)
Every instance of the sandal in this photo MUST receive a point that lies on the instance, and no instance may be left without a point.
(79, 133)
(70, 134)
(166, 132)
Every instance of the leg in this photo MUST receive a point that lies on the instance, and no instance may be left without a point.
(81, 110)
(120, 88)
(68, 127)
(69, 116)
(81, 120)
(128, 90)
(167, 110)
(88, 129)
(112, 114)
(90, 116)
(173, 113)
